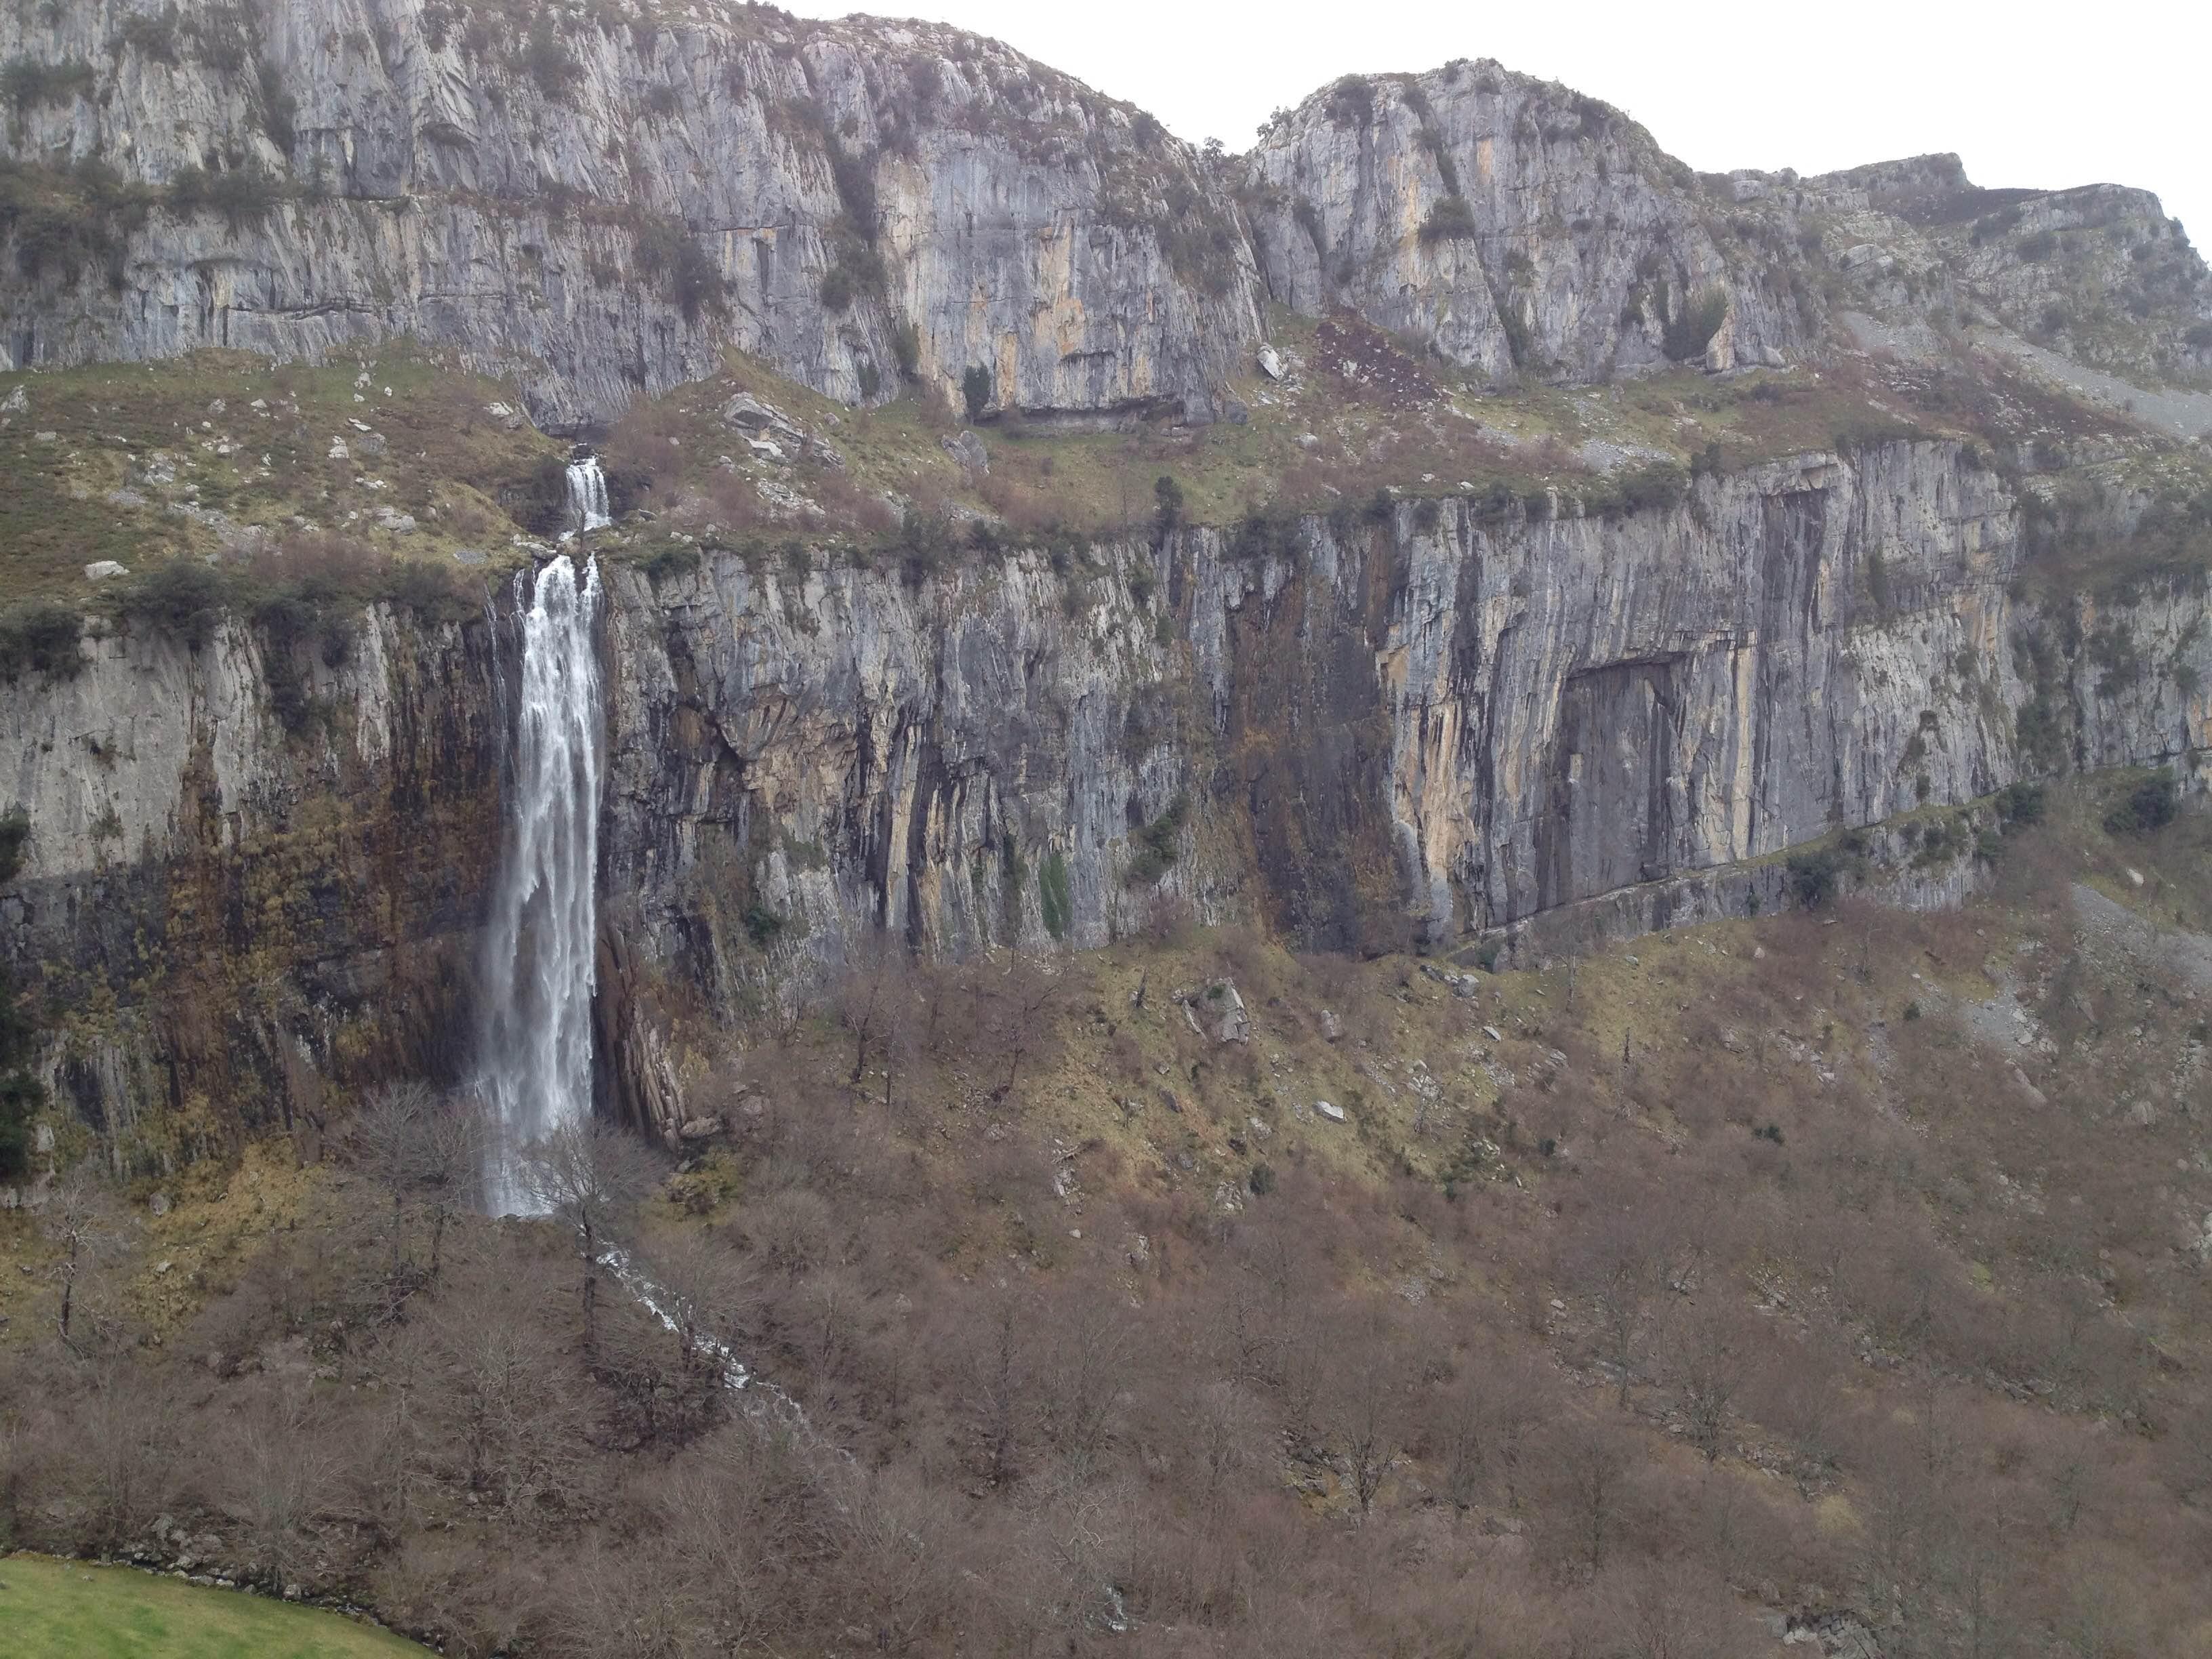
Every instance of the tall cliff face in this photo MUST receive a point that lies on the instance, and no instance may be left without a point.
(256, 867)
(1363, 731)
(595, 208)
(1458, 720)
(596, 203)
(1516, 227)
(226, 916)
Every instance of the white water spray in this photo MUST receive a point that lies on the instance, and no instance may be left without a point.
(587, 497)
(535, 1056)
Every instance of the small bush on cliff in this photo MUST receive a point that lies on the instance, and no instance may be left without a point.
(1450, 219)
(675, 263)
(27, 85)
(183, 598)
(906, 349)
(2147, 805)
(1660, 486)
(1168, 504)
(539, 503)
(1156, 847)
(152, 35)
(2020, 806)
(40, 639)
(244, 197)
(546, 60)
(1351, 101)
(1816, 876)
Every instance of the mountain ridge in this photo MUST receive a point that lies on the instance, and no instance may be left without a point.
(594, 203)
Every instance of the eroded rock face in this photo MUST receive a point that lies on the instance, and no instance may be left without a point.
(1517, 228)
(228, 915)
(1442, 724)
(2098, 273)
(598, 212)
(596, 207)
(1363, 732)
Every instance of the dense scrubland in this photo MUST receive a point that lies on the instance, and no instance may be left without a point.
(1842, 1266)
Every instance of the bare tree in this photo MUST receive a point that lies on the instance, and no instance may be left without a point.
(1478, 1425)
(1591, 1462)
(1614, 1264)
(1082, 1371)
(862, 1000)
(1706, 1359)
(589, 1176)
(449, 1170)
(1797, 1397)
(1019, 1009)
(1671, 1612)
(87, 1226)
(998, 1400)
(705, 1290)
(420, 1146)
(119, 1457)
(494, 1380)
(279, 1468)
(1364, 1395)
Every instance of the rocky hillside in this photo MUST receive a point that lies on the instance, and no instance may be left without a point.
(596, 202)
(255, 859)
(1396, 654)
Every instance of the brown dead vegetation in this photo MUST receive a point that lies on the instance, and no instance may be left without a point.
(1719, 1285)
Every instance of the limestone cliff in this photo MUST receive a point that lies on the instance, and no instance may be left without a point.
(596, 203)
(226, 914)
(1438, 725)
(1516, 227)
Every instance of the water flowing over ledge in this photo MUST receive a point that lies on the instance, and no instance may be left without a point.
(587, 497)
(534, 1055)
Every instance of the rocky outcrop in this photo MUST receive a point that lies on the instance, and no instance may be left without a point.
(226, 916)
(596, 203)
(597, 206)
(2098, 273)
(1457, 720)
(1517, 228)
(1454, 721)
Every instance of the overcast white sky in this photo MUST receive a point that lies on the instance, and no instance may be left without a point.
(2028, 94)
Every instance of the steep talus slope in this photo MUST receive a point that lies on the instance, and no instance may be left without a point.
(597, 207)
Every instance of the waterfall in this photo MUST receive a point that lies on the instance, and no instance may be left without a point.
(587, 496)
(534, 1056)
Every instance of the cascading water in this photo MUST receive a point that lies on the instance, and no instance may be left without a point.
(534, 1057)
(587, 496)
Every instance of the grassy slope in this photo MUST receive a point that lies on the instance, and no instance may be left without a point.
(67, 1610)
(89, 458)
(89, 462)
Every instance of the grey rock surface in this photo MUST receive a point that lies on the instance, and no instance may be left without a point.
(1401, 732)
(599, 212)
(1514, 226)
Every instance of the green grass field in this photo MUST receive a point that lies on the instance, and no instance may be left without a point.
(53, 1609)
